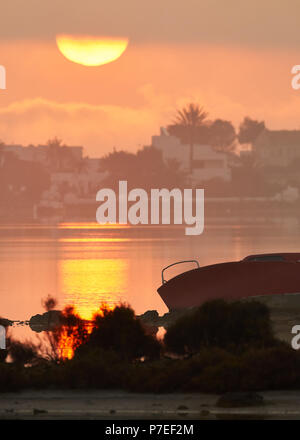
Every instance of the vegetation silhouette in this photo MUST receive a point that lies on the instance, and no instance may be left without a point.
(141, 169)
(192, 127)
(60, 157)
(119, 331)
(249, 130)
(185, 125)
(217, 348)
(21, 181)
(232, 326)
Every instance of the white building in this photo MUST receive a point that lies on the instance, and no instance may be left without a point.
(207, 163)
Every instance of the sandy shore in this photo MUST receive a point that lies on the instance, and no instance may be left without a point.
(113, 405)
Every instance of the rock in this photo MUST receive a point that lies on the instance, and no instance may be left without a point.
(152, 318)
(6, 322)
(47, 321)
(182, 407)
(172, 316)
(240, 399)
(37, 411)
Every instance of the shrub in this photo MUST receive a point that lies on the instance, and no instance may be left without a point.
(232, 326)
(22, 353)
(120, 331)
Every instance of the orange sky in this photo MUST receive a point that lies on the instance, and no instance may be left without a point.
(123, 103)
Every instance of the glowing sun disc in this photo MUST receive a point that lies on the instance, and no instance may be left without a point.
(91, 51)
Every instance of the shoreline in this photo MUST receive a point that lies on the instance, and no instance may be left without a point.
(121, 405)
(284, 314)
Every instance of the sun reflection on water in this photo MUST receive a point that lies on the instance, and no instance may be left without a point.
(89, 283)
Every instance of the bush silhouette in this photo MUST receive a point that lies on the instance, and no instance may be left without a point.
(119, 330)
(232, 326)
(22, 353)
(232, 345)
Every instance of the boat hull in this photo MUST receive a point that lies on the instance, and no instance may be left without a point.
(232, 280)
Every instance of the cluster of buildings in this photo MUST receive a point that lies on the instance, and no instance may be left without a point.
(276, 152)
(76, 177)
(71, 174)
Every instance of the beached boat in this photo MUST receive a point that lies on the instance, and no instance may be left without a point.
(255, 275)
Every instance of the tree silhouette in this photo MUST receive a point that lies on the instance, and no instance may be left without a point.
(141, 169)
(60, 156)
(249, 130)
(186, 122)
(55, 153)
(222, 135)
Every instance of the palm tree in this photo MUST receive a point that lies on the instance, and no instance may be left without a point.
(187, 121)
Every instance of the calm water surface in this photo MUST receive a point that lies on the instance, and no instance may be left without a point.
(85, 264)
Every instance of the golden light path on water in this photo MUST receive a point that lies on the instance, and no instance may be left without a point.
(89, 283)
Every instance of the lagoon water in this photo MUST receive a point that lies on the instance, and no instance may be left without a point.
(85, 264)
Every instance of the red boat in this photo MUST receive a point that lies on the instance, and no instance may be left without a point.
(255, 275)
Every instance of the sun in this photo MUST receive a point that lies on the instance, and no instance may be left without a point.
(91, 51)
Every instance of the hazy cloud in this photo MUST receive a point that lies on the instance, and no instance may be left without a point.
(256, 23)
(99, 128)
